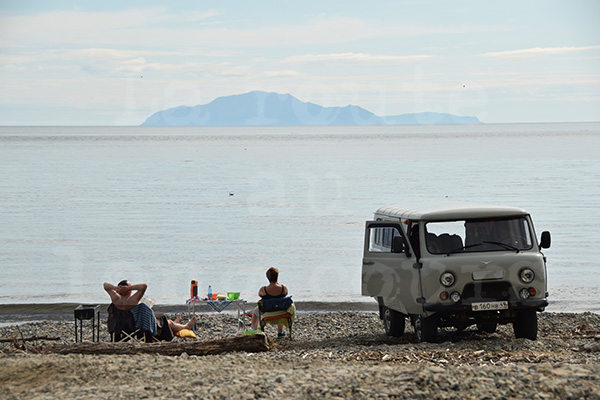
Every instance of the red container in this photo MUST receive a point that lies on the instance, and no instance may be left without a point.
(194, 289)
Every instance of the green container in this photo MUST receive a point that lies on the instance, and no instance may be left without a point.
(251, 332)
(233, 295)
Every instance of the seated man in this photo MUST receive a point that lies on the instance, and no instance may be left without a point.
(145, 319)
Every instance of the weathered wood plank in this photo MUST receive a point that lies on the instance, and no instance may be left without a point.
(249, 343)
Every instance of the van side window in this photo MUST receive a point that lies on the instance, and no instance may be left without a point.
(380, 239)
(444, 237)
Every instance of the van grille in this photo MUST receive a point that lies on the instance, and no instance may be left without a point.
(487, 290)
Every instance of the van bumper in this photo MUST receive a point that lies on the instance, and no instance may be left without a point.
(537, 304)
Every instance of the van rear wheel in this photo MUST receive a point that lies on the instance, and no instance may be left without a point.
(525, 325)
(394, 322)
(425, 328)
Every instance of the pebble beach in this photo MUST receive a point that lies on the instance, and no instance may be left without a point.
(333, 355)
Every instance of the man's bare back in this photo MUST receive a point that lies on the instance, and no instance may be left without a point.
(121, 296)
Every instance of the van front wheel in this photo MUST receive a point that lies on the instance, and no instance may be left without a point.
(425, 328)
(525, 325)
(394, 322)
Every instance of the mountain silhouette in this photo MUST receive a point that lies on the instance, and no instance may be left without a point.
(274, 109)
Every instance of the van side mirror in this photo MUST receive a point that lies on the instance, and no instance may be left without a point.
(545, 242)
(399, 245)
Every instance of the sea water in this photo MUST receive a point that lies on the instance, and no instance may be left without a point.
(80, 206)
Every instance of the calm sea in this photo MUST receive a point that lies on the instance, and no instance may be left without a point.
(85, 205)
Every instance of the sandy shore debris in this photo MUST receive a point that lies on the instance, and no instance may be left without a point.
(333, 355)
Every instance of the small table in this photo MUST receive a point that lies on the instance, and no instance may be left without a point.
(218, 306)
(88, 313)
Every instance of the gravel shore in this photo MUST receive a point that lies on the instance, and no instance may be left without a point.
(332, 355)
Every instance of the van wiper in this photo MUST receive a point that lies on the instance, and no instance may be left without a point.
(462, 249)
(506, 246)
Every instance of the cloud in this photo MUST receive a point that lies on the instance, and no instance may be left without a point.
(160, 27)
(94, 53)
(288, 73)
(13, 68)
(538, 52)
(107, 61)
(107, 53)
(536, 79)
(100, 27)
(360, 58)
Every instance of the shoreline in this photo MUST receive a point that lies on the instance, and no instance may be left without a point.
(19, 313)
(15, 314)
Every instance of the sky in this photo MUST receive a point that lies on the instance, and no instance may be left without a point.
(113, 63)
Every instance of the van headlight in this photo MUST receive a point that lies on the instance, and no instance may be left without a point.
(526, 275)
(447, 279)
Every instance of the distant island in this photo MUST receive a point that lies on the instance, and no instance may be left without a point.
(273, 109)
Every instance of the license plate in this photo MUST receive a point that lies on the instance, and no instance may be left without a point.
(490, 306)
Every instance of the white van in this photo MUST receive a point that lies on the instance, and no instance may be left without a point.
(454, 266)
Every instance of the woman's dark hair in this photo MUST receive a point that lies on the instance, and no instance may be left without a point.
(123, 283)
(272, 274)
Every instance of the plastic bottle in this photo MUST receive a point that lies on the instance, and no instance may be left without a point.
(209, 292)
(194, 289)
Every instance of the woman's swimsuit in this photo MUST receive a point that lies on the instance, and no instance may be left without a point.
(268, 296)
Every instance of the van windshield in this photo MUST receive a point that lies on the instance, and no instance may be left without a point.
(481, 235)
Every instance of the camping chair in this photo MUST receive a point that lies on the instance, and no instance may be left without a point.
(121, 327)
(280, 311)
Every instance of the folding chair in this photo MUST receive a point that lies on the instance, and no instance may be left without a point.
(121, 327)
(271, 312)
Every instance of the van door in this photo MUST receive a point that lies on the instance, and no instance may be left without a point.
(388, 269)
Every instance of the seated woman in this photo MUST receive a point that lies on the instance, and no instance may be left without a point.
(124, 300)
(273, 291)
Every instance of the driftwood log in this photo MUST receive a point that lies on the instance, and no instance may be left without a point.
(249, 343)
